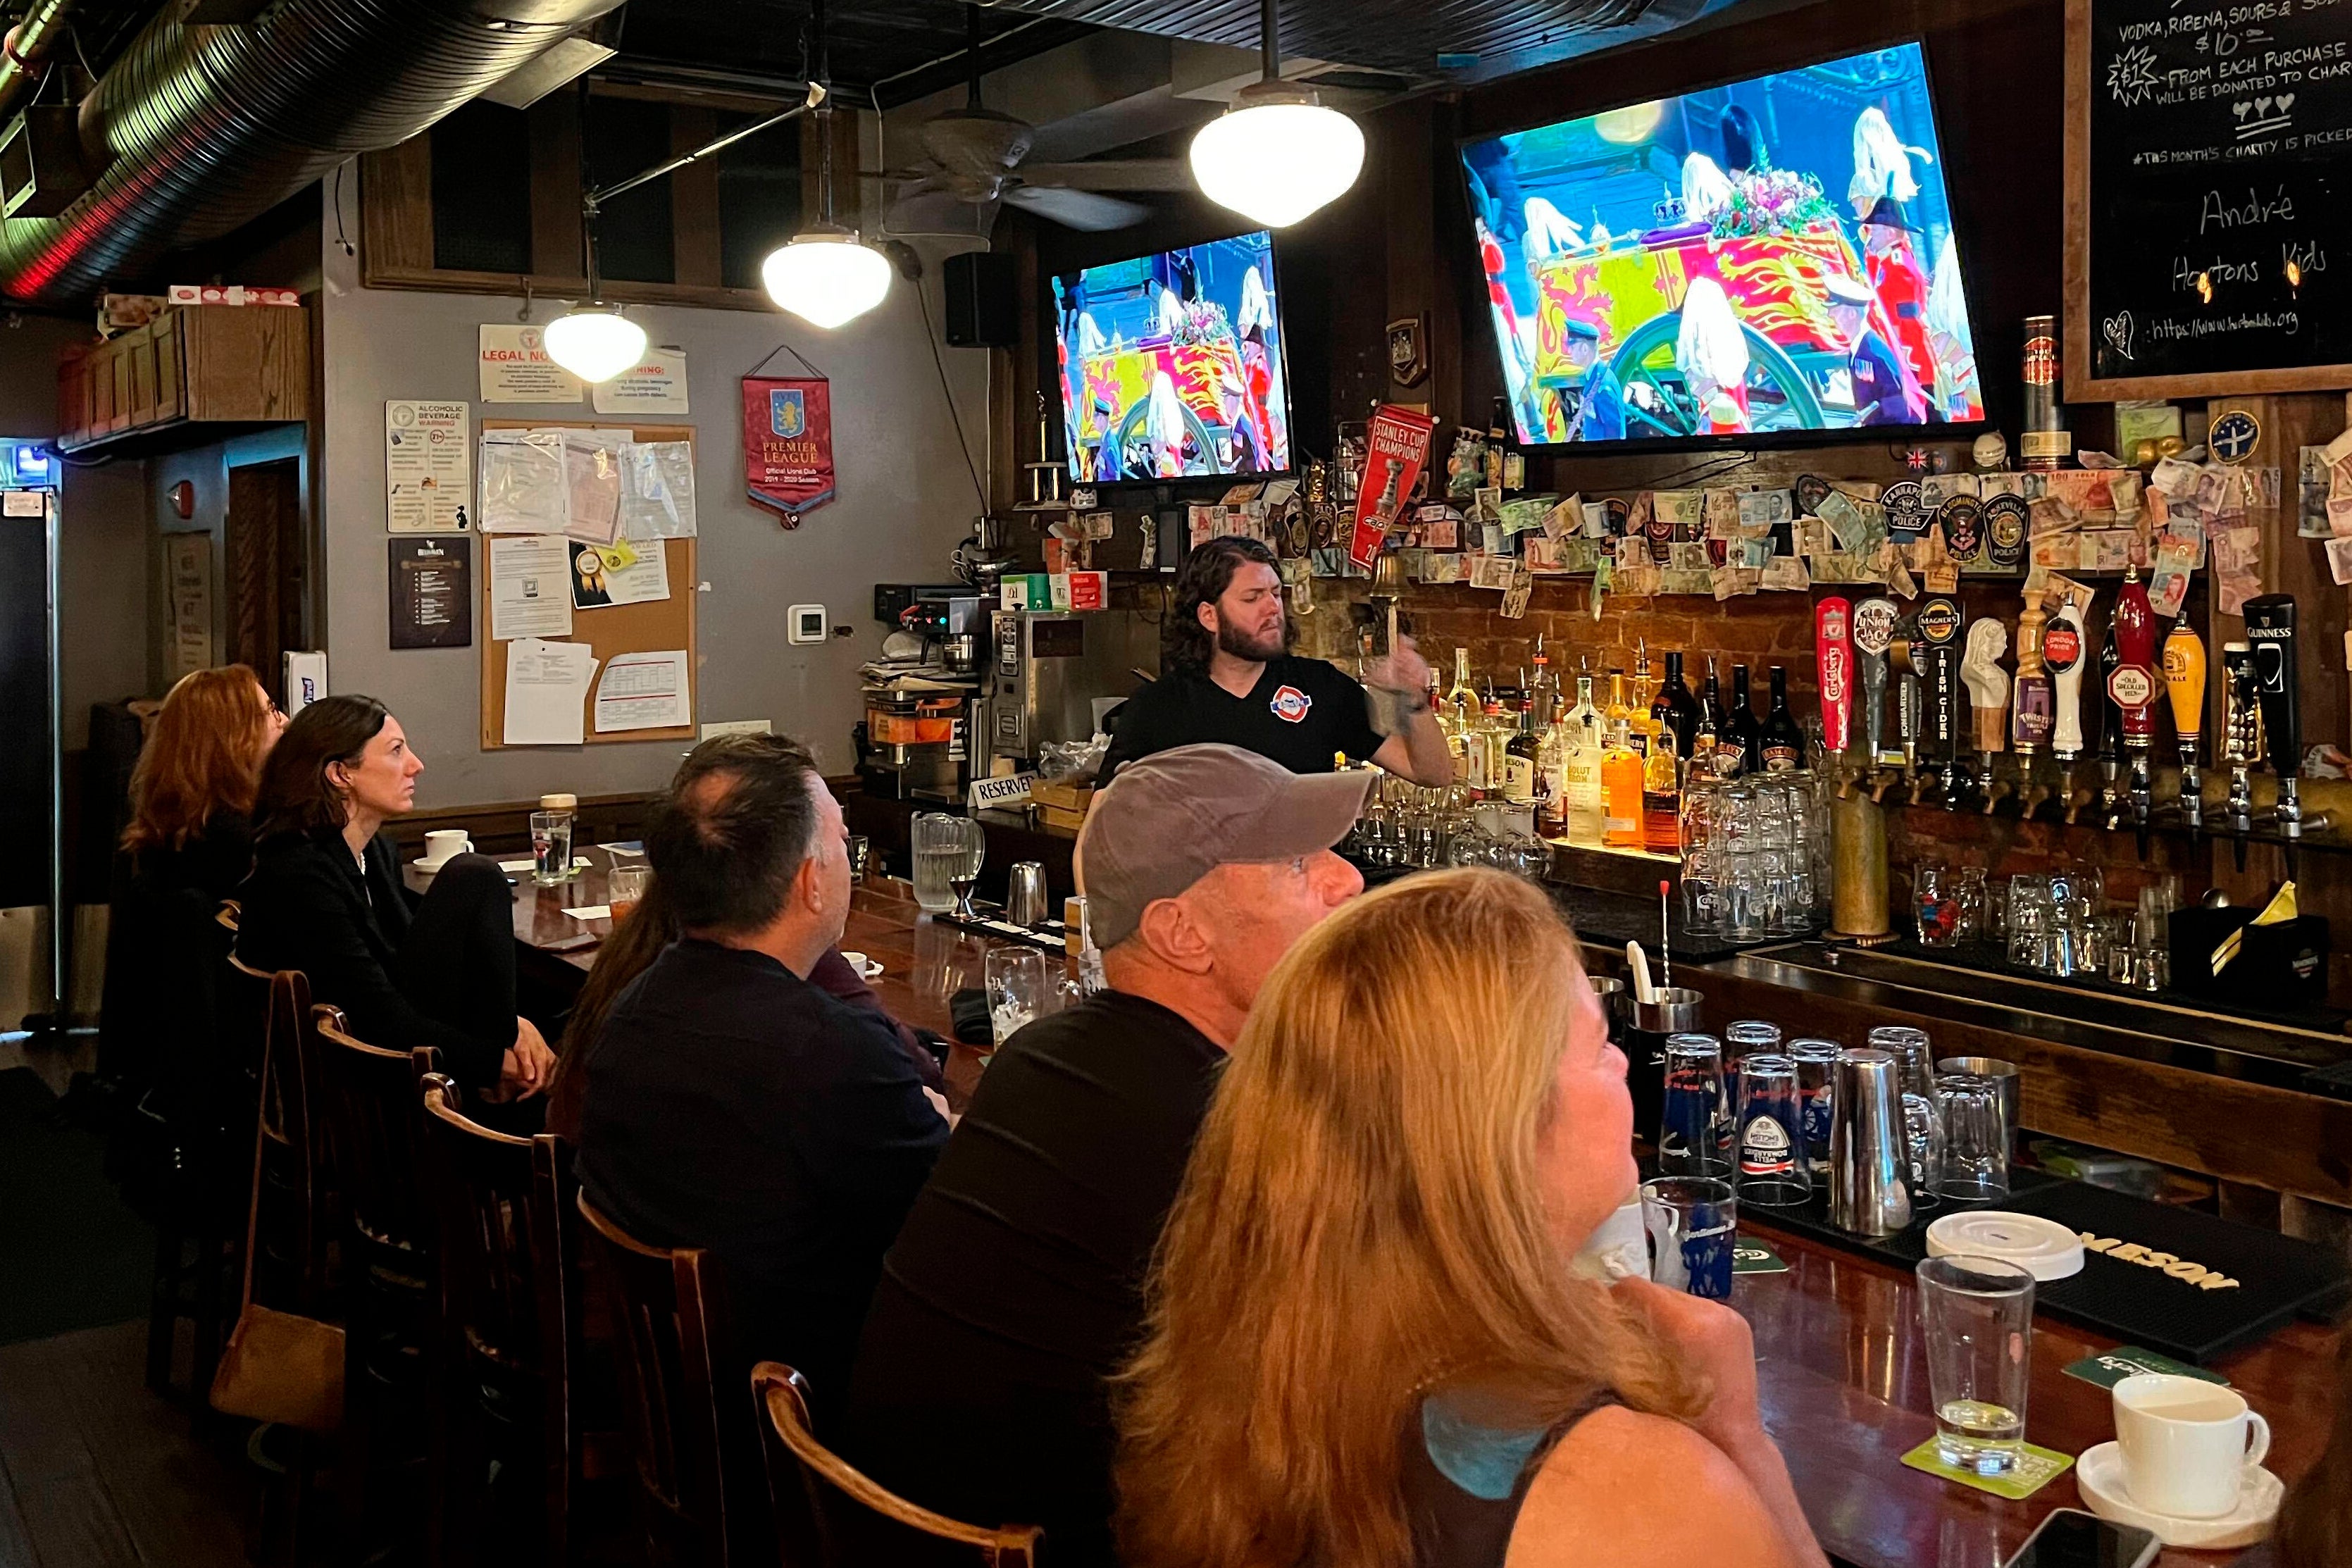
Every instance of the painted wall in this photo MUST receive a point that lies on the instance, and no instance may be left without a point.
(906, 498)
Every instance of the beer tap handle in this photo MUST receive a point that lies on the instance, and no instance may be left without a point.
(1833, 657)
(1988, 686)
(2061, 655)
(2271, 632)
(2184, 685)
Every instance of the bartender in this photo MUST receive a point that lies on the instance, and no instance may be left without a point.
(1231, 678)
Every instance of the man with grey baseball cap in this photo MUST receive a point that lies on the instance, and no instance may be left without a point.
(1014, 1290)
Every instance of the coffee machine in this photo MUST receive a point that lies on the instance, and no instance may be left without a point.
(914, 743)
(1050, 673)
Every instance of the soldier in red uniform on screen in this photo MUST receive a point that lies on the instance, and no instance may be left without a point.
(1902, 285)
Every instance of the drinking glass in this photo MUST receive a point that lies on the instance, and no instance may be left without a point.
(1816, 1078)
(1691, 1221)
(1923, 1129)
(1751, 1035)
(1935, 900)
(947, 850)
(1976, 1137)
(1015, 982)
(623, 888)
(1772, 1165)
(550, 847)
(1973, 903)
(1977, 1317)
(1691, 1139)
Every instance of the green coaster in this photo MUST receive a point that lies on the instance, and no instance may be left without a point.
(1755, 1257)
(2109, 1368)
(2034, 1470)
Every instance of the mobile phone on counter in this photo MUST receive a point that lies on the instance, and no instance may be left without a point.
(2069, 1538)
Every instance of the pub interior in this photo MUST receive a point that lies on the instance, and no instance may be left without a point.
(1267, 782)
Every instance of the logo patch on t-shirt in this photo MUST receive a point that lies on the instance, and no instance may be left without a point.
(1291, 704)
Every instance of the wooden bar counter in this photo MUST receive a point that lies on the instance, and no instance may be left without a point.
(1841, 1361)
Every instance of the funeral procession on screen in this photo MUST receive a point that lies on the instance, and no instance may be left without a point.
(1772, 255)
(1172, 365)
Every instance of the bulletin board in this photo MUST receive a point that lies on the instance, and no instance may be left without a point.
(610, 629)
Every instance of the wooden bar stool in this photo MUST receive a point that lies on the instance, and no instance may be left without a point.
(837, 1518)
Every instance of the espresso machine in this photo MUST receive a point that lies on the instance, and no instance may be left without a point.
(916, 741)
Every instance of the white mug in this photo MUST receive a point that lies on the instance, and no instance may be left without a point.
(445, 844)
(2185, 1443)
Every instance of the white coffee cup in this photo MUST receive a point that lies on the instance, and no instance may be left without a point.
(2185, 1443)
(443, 844)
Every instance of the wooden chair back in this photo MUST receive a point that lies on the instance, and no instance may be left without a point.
(851, 1520)
(367, 1099)
(562, 1299)
(670, 1316)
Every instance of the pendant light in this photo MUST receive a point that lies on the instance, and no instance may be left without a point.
(827, 274)
(593, 341)
(1278, 154)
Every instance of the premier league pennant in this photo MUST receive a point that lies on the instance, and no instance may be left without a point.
(788, 442)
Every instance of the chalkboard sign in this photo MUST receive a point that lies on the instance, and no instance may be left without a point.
(2209, 195)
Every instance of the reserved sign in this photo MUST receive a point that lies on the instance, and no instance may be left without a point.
(1012, 789)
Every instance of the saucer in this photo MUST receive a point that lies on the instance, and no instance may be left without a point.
(2099, 1476)
(867, 968)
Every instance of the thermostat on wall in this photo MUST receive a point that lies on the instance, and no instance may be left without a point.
(807, 623)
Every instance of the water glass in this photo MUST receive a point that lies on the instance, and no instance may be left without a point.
(1974, 903)
(1691, 1131)
(1015, 981)
(550, 847)
(948, 849)
(1977, 1317)
(1936, 899)
(1772, 1165)
(1751, 1035)
(1923, 1129)
(1816, 1078)
(1691, 1221)
(623, 888)
(1975, 1116)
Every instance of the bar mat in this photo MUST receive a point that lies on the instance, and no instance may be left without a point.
(1049, 936)
(2159, 1284)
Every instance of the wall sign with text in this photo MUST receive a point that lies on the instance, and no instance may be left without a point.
(2208, 169)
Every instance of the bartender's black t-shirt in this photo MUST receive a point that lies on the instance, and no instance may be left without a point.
(1300, 712)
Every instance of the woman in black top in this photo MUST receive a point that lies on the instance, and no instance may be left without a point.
(325, 898)
(189, 844)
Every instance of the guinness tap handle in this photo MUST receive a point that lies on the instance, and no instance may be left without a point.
(2270, 631)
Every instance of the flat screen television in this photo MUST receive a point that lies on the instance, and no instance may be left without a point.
(1767, 258)
(1172, 365)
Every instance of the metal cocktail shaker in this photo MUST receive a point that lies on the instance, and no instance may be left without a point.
(1024, 893)
(1869, 1186)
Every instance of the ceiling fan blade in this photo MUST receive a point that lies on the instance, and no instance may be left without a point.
(938, 213)
(1081, 210)
(1112, 174)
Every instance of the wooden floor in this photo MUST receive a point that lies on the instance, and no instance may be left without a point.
(97, 1472)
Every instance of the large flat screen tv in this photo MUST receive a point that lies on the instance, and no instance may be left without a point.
(1172, 365)
(1766, 259)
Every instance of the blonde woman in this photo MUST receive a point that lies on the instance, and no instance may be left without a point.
(1366, 1347)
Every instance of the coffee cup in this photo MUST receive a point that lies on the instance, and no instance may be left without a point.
(2185, 1444)
(444, 843)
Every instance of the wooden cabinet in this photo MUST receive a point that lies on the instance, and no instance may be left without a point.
(220, 364)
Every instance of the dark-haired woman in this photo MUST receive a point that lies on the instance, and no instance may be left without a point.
(325, 898)
(189, 844)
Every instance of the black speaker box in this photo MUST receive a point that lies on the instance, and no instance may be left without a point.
(982, 311)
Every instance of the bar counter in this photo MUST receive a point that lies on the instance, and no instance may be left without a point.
(1841, 1361)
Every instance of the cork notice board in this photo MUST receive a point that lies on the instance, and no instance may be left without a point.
(652, 627)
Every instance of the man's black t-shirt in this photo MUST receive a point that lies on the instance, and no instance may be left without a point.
(1300, 711)
(1016, 1288)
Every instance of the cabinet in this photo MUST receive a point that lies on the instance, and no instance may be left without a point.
(221, 364)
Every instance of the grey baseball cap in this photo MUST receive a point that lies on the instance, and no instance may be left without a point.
(1171, 818)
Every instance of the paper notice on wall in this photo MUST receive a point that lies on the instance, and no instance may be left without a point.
(523, 487)
(188, 581)
(530, 591)
(620, 572)
(547, 682)
(428, 470)
(654, 385)
(643, 691)
(516, 368)
(592, 477)
(658, 489)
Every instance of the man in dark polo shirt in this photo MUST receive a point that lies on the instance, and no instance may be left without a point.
(1230, 679)
(1015, 1289)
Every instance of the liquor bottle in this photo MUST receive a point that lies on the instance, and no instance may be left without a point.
(1462, 700)
(1581, 810)
(1620, 792)
(1543, 687)
(1783, 743)
(1676, 711)
(1715, 749)
(1662, 800)
(1494, 737)
(1520, 784)
(1499, 444)
(1745, 731)
(1639, 694)
(1551, 778)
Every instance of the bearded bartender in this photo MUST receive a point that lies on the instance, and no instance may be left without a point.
(1231, 678)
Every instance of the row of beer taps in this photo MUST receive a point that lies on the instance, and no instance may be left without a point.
(1937, 660)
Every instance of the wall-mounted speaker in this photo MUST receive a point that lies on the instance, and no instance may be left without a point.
(982, 313)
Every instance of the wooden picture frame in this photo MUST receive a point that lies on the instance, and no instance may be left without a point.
(2081, 385)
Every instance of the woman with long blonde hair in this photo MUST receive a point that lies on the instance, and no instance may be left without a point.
(1367, 1346)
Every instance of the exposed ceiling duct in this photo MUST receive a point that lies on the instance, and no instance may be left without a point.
(199, 129)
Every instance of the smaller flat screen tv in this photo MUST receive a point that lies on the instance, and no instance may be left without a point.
(1172, 365)
(1767, 258)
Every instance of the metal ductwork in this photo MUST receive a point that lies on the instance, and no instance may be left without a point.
(198, 129)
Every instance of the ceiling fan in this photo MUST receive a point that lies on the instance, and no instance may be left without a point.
(974, 161)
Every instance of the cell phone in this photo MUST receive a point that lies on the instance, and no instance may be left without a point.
(2069, 1538)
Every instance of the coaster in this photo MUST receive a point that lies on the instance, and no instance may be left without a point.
(2109, 1368)
(2035, 1469)
(1755, 1257)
